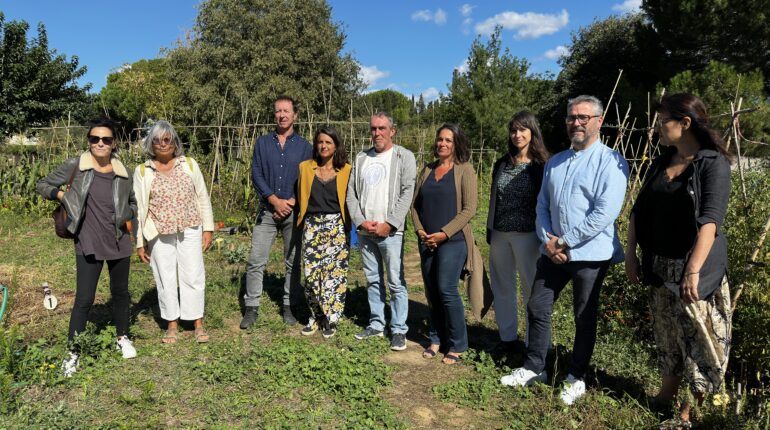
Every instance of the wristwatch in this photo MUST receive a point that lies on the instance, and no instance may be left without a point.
(561, 243)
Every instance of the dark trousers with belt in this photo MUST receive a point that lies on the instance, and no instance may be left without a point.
(550, 280)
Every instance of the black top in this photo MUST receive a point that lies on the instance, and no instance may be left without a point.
(708, 186)
(671, 215)
(96, 235)
(436, 203)
(516, 198)
(323, 197)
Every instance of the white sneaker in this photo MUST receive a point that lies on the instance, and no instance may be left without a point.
(126, 347)
(572, 390)
(70, 365)
(521, 376)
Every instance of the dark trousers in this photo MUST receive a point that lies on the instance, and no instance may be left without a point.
(88, 271)
(441, 269)
(551, 278)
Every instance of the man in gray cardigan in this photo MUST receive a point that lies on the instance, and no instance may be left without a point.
(379, 196)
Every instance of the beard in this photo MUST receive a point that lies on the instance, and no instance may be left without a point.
(578, 142)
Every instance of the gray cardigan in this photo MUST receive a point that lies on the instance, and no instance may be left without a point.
(403, 170)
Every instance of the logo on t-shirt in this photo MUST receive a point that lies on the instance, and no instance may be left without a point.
(374, 172)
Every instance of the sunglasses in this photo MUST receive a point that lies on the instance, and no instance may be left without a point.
(93, 140)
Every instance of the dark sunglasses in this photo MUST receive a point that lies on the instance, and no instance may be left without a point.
(93, 140)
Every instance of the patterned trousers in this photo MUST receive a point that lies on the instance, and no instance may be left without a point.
(325, 254)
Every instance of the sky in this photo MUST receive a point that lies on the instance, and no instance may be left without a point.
(409, 46)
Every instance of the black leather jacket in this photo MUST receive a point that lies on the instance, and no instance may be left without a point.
(74, 199)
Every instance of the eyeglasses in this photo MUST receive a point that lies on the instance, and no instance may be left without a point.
(582, 119)
(159, 142)
(93, 140)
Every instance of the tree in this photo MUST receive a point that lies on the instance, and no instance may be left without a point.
(390, 101)
(695, 32)
(717, 85)
(139, 91)
(36, 84)
(495, 86)
(597, 53)
(243, 53)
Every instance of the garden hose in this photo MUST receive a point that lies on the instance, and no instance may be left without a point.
(4, 293)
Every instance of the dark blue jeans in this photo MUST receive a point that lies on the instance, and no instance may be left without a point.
(551, 278)
(441, 271)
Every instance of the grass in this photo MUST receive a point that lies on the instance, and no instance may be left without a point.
(271, 377)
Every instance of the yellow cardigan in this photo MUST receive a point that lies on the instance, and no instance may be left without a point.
(306, 174)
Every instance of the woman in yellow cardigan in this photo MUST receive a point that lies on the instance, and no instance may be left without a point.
(445, 199)
(322, 185)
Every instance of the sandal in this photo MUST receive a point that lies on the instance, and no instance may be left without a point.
(170, 336)
(201, 335)
(429, 353)
(451, 358)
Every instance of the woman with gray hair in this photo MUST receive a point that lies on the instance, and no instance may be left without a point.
(175, 225)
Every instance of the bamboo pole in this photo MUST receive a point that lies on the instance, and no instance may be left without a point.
(751, 263)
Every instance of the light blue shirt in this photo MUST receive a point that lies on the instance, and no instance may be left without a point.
(582, 195)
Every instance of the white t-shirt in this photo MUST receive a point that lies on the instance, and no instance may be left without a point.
(375, 173)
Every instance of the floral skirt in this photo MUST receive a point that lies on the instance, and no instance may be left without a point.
(325, 255)
(693, 341)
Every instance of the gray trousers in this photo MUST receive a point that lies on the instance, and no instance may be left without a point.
(262, 238)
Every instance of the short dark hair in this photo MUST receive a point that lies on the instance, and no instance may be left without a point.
(462, 151)
(340, 157)
(101, 122)
(286, 98)
(525, 119)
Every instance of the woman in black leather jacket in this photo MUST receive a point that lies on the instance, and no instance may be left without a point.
(99, 204)
(677, 222)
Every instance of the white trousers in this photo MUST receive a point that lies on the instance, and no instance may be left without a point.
(510, 252)
(177, 264)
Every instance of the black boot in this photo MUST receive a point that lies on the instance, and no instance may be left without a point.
(249, 317)
(288, 317)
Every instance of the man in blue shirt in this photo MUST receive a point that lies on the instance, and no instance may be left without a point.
(274, 172)
(582, 195)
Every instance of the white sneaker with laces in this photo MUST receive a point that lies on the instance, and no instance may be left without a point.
(126, 347)
(521, 377)
(572, 390)
(70, 365)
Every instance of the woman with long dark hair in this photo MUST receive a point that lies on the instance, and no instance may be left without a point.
(322, 189)
(99, 203)
(677, 222)
(513, 244)
(445, 200)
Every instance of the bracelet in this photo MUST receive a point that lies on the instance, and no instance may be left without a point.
(692, 273)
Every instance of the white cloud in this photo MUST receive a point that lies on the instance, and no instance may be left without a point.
(430, 94)
(467, 25)
(466, 9)
(439, 17)
(528, 25)
(627, 6)
(463, 67)
(556, 53)
(371, 74)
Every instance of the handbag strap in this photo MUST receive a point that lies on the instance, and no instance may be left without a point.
(72, 178)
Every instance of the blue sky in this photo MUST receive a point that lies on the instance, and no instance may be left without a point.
(409, 46)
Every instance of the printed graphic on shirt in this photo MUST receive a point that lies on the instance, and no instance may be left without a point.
(374, 173)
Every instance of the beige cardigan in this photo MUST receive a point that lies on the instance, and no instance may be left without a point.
(474, 275)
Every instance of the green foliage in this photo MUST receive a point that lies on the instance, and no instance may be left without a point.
(751, 320)
(390, 101)
(242, 54)
(597, 53)
(718, 85)
(496, 85)
(696, 32)
(22, 364)
(36, 84)
(139, 91)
